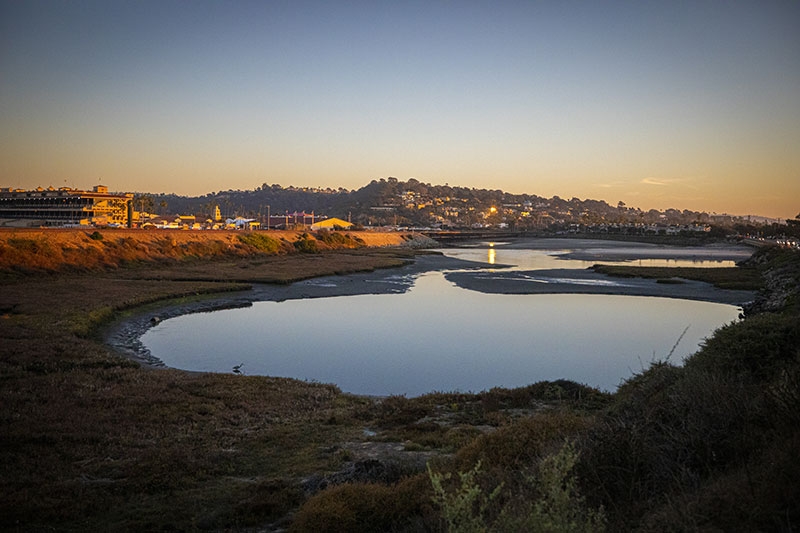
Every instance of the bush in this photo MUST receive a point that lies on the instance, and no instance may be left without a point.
(465, 508)
(762, 346)
(306, 244)
(366, 507)
(516, 446)
(548, 501)
(261, 242)
(269, 501)
(670, 430)
(337, 240)
(561, 390)
(399, 410)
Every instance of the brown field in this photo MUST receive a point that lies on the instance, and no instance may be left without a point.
(48, 250)
(89, 440)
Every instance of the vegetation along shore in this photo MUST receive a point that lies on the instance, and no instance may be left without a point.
(91, 440)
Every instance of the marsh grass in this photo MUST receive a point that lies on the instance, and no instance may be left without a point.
(276, 268)
(735, 278)
(91, 441)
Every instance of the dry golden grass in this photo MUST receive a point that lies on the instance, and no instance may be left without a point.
(51, 250)
(88, 440)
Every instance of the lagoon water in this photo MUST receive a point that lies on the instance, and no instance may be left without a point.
(439, 337)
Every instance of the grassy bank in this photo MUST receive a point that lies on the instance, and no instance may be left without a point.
(90, 441)
(76, 250)
(746, 278)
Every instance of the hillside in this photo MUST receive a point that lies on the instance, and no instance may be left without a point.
(414, 203)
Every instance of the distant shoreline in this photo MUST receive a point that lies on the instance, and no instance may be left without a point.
(571, 281)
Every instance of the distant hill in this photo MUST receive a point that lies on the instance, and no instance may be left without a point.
(413, 203)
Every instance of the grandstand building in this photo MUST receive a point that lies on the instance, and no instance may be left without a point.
(64, 207)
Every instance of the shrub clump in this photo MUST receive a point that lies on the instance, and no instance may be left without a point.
(261, 242)
(547, 500)
(367, 507)
(336, 240)
(305, 243)
(761, 347)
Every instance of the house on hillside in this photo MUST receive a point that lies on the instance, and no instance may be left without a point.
(331, 223)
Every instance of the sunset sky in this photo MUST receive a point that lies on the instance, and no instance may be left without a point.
(692, 105)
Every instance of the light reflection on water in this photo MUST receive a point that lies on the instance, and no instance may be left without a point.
(440, 337)
(526, 259)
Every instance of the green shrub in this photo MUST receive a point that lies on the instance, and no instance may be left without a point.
(306, 244)
(338, 240)
(548, 500)
(669, 430)
(464, 509)
(399, 410)
(559, 506)
(761, 346)
(96, 236)
(261, 242)
(561, 390)
(760, 495)
(516, 446)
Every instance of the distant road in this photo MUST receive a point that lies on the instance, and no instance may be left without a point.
(770, 242)
(448, 236)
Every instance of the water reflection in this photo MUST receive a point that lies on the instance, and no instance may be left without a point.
(526, 259)
(440, 337)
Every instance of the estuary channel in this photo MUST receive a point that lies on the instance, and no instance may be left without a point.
(432, 334)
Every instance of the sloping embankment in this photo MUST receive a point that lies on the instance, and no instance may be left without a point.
(88, 249)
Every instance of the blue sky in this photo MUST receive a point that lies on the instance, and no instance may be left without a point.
(691, 105)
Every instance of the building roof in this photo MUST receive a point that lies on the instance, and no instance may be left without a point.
(331, 223)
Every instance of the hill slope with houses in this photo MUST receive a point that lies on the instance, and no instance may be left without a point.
(391, 202)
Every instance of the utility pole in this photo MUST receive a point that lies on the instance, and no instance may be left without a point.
(267, 217)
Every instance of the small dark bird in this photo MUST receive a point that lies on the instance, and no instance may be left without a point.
(237, 369)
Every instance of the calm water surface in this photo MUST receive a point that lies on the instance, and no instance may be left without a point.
(438, 337)
(526, 259)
